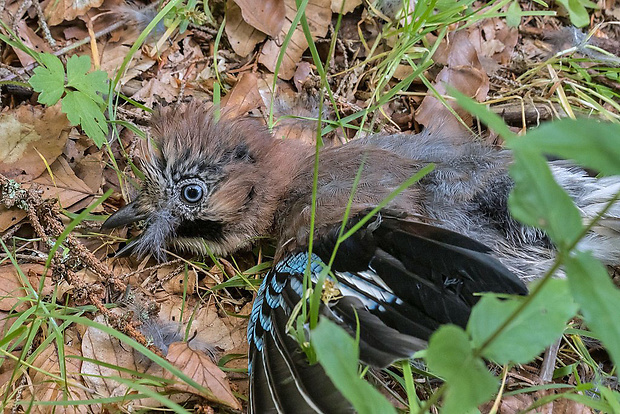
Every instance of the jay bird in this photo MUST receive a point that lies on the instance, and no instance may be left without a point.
(216, 185)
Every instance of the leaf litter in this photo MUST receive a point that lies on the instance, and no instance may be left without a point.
(57, 172)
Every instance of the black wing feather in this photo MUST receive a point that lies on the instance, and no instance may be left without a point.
(399, 280)
(281, 380)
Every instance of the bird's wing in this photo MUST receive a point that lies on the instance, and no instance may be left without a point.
(398, 279)
(281, 380)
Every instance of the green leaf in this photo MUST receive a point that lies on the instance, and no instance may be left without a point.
(87, 83)
(49, 80)
(588, 142)
(612, 397)
(338, 353)
(537, 200)
(577, 12)
(81, 110)
(540, 323)
(469, 383)
(513, 14)
(598, 298)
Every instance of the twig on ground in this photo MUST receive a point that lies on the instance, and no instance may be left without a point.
(43, 24)
(23, 6)
(45, 213)
(548, 364)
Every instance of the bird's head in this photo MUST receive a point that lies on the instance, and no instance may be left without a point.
(207, 185)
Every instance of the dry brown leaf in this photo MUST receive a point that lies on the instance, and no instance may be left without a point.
(318, 14)
(100, 346)
(32, 40)
(268, 16)
(47, 388)
(152, 88)
(179, 283)
(28, 133)
(495, 42)
(243, 97)
(63, 184)
(302, 74)
(7, 371)
(242, 37)
(113, 54)
(225, 333)
(58, 11)
(519, 403)
(5, 323)
(9, 218)
(199, 367)
(349, 5)
(462, 72)
(12, 288)
(7, 320)
(90, 170)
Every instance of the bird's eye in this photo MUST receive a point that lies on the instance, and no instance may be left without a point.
(192, 193)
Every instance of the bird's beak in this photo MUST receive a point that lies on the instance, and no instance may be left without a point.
(126, 215)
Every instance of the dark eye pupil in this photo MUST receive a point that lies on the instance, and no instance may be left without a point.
(192, 193)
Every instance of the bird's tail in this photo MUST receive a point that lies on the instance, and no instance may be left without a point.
(592, 196)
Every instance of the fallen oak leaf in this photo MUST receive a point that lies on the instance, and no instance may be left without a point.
(199, 367)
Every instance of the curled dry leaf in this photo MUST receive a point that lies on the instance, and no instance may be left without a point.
(268, 16)
(180, 282)
(52, 387)
(154, 88)
(199, 367)
(318, 14)
(242, 37)
(462, 72)
(495, 42)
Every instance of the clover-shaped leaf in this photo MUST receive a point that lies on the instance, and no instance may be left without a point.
(49, 80)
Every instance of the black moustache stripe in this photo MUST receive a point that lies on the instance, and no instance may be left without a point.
(206, 229)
